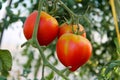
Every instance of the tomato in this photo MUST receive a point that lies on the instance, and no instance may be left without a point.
(73, 50)
(47, 31)
(69, 28)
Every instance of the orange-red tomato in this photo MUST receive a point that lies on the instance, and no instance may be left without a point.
(73, 50)
(69, 28)
(47, 31)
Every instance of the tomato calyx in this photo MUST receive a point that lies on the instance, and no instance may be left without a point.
(78, 32)
(81, 32)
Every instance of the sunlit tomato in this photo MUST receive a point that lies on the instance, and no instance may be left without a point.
(47, 31)
(73, 50)
(67, 28)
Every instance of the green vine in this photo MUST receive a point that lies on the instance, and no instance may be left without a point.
(34, 42)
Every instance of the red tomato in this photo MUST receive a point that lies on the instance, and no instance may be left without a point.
(69, 28)
(73, 50)
(47, 31)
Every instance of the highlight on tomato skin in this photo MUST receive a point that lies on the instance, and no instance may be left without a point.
(47, 31)
(69, 28)
(73, 50)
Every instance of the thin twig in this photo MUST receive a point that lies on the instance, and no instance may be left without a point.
(35, 41)
(3, 27)
(115, 19)
(43, 68)
(70, 12)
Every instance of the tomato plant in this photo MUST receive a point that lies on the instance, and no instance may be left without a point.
(73, 50)
(69, 28)
(47, 31)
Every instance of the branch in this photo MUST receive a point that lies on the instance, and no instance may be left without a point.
(35, 41)
(115, 19)
(3, 27)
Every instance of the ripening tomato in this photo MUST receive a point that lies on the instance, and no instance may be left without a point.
(69, 28)
(47, 31)
(73, 50)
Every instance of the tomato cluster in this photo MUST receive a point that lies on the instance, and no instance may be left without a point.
(72, 47)
(73, 50)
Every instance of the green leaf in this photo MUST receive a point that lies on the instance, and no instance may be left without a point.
(1, 65)
(9, 11)
(4, 0)
(0, 5)
(5, 60)
(21, 1)
(117, 45)
(4, 73)
(31, 1)
(22, 19)
(2, 78)
(24, 5)
(13, 18)
(16, 4)
(50, 76)
(112, 65)
(6, 23)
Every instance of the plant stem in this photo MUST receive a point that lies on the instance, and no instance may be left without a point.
(3, 27)
(62, 4)
(37, 66)
(35, 41)
(57, 71)
(46, 63)
(115, 19)
(34, 36)
(70, 12)
(43, 67)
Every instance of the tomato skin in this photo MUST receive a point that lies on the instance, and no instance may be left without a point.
(73, 50)
(47, 31)
(67, 28)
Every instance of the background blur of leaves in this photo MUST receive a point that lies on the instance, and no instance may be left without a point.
(99, 25)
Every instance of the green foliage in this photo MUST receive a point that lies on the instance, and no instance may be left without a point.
(112, 65)
(0, 5)
(50, 76)
(2, 78)
(4, 0)
(111, 71)
(5, 62)
(117, 46)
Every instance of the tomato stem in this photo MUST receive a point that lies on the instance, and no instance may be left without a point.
(70, 12)
(34, 36)
(57, 71)
(36, 43)
(78, 27)
(73, 16)
(54, 9)
(46, 63)
(43, 67)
